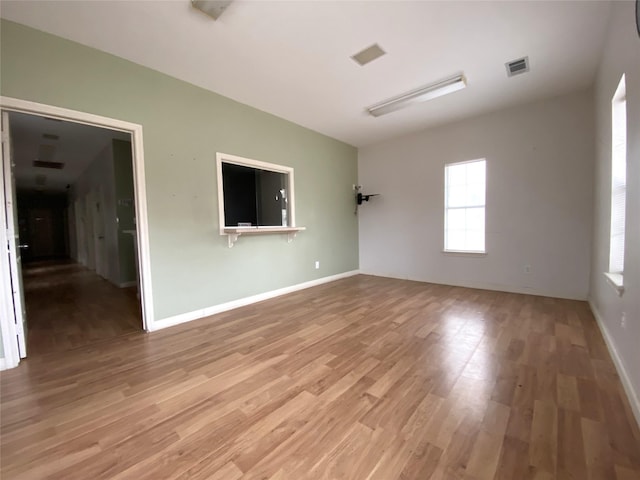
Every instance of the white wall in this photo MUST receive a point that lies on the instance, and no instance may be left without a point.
(100, 173)
(539, 200)
(621, 55)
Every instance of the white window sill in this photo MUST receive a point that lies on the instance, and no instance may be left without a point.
(260, 229)
(616, 280)
(234, 232)
(464, 253)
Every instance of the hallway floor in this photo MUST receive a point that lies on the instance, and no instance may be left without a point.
(69, 306)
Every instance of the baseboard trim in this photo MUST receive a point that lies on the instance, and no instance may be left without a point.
(482, 286)
(3, 364)
(223, 307)
(632, 395)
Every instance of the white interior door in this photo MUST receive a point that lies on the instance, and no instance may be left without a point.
(11, 226)
(89, 236)
(81, 249)
(99, 232)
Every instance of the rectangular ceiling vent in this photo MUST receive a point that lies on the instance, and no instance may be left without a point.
(53, 165)
(213, 8)
(368, 55)
(50, 136)
(516, 67)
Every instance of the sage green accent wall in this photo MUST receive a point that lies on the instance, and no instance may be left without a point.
(184, 126)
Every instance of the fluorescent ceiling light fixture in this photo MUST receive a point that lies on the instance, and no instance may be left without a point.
(421, 94)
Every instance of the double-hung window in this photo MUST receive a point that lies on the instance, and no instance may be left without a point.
(464, 206)
(618, 184)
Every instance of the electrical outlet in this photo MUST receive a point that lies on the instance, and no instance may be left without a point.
(527, 269)
(623, 320)
(317, 264)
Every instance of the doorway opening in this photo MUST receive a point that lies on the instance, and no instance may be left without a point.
(75, 212)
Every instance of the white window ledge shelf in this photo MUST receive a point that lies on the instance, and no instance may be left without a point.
(616, 280)
(464, 253)
(233, 233)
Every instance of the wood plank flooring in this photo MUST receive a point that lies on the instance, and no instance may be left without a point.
(69, 306)
(364, 378)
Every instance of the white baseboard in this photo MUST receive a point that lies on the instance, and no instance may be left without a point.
(223, 307)
(3, 364)
(632, 395)
(483, 286)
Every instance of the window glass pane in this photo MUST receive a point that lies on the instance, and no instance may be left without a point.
(456, 196)
(476, 172)
(455, 240)
(475, 194)
(475, 240)
(619, 165)
(475, 219)
(616, 263)
(457, 174)
(456, 219)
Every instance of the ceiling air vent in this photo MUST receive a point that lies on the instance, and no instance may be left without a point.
(516, 67)
(213, 8)
(368, 55)
(50, 136)
(43, 164)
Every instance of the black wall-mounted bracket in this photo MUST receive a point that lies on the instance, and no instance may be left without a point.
(362, 197)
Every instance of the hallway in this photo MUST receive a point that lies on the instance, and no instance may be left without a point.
(69, 306)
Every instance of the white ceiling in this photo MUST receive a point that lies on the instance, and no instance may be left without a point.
(292, 58)
(77, 146)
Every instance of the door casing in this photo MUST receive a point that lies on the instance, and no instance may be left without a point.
(7, 325)
(14, 308)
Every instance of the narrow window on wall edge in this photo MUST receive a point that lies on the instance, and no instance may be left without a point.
(618, 186)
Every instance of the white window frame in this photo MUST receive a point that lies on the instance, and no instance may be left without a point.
(447, 208)
(615, 272)
(234, 232)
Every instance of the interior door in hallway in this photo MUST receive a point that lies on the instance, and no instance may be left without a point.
(89, 234)
(100, 249)
(42, 235)
(81, 248)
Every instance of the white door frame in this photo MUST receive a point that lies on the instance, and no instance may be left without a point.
(10, 344)
(13, 257)
(7, 326)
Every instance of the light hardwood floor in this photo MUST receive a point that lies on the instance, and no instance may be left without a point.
(69, 306)
(364, 378)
